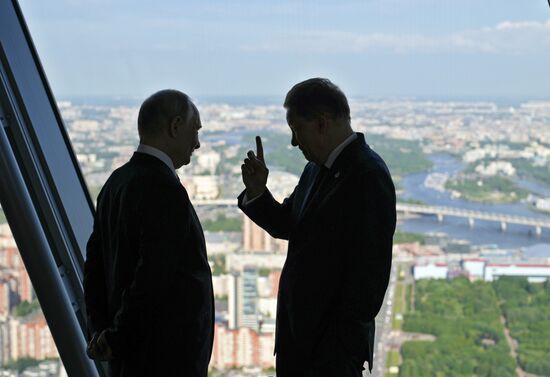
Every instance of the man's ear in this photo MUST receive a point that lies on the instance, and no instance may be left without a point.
(322, 123)
(175, 126)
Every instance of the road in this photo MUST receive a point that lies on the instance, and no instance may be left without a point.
(383, 328)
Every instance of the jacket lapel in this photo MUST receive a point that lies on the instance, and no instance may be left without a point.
(341, 168)
(325, 191)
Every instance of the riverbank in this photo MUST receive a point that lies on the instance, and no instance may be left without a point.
(483, 232)
(492, 190)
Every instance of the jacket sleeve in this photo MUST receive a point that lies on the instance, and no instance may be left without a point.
(272, 216)
(367, 253)
(95, 292)
(163, 237)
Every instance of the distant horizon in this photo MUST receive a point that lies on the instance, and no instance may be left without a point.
(398, 48)
(127, 100)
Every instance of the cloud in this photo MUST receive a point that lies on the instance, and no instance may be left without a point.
(506, 37)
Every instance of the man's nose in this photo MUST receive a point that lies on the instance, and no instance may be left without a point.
(198, 145)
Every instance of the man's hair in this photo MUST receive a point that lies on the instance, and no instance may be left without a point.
(316, 97)
(159, 109)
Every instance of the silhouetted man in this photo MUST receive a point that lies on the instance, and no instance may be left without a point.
(147, 282)
(339, 221)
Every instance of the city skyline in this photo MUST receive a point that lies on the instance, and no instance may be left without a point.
(502, 147)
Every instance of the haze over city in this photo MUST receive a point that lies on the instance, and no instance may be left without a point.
(496, 48)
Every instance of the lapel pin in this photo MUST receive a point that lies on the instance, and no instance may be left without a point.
(337, 174)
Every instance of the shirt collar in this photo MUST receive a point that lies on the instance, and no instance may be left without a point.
(155, 152)
(336, 152)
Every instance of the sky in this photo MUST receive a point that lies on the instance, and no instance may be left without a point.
(386, 48)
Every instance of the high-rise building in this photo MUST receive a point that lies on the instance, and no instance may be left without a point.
(257, 239)
(30, 337)
(4, 299)
(24, 284)
(4, 342)
(242, 347)
(243, 298)
(274, 278)
(202, 187)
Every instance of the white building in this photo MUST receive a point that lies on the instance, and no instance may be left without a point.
(473, 155)
(267, 307)
(264, 286)
(475, 267)
(281, 184)
(496, 168)
(236, 261)
(220, 284)
(431, 271)
(533, 272)
(202, 187)
(208, 160)
(543, 204)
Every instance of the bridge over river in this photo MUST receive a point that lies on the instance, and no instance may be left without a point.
(504, 219)
(440, 212)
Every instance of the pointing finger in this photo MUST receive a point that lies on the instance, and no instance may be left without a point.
(259, 148)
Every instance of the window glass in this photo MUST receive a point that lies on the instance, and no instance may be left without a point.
(454, 97)
(26, 344)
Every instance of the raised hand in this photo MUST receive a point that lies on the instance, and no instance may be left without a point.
(254, 171)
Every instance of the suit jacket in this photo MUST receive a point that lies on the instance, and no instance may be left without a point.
(338, 264)
(146, 276)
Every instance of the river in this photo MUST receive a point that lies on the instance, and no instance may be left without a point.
(457, 228)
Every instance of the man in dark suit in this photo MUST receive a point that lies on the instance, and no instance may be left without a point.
(147, 282)
(339, 221)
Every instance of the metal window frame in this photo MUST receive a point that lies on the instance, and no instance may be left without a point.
(42, 191)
